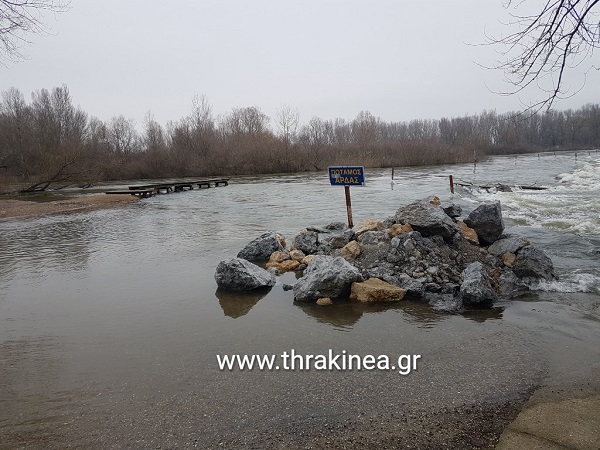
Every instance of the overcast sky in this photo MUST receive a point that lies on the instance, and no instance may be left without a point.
(398, 59)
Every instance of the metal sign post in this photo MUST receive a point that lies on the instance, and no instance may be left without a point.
(347, 176)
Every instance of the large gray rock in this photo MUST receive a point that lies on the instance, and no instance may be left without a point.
(487, 221)
(307, 242)
(511, 244)
(326, 276)
(476, 288)
(427, 219)
(336, 239)
(510, 285)
(261, 247)
(237, 274)
(452, 209)
(336, 226)
(533, 263)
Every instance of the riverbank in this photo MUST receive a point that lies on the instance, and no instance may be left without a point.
(30, 208)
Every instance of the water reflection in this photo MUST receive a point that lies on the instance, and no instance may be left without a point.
(422, 314)
(483, 315)
(238, 304)
(344, 314)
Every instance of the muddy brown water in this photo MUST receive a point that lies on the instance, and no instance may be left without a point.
(110, 321)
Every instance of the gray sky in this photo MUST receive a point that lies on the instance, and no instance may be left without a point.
(398, 59)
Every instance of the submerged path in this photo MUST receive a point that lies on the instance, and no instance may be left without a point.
(149, 190)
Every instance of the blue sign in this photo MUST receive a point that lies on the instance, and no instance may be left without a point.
(347, 176)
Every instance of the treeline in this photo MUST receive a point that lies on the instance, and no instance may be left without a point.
(49, 142)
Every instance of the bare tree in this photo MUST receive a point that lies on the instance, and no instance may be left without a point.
(201, 117)
(250, 120)
(314, 139)
(547, 44)
(123, 136)
(287, 120)
(20, 18)
(364, 128)
(15, 129)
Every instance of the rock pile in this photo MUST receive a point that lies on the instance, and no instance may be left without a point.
(424, 252)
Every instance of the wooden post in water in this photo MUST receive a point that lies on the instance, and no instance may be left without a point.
(348, 206)
(451, 184)
(392, 173)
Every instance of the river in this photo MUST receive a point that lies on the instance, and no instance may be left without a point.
(110, 321)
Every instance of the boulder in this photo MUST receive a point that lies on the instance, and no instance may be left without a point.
(510, 285)
(476, 288)
(487, 221)
(414, 289)
(297, 255)
(533, 263)
(262, 247)
(279, 256)
(376, 290)
(337, 239)
(350, 251)
(336, 226)
(452, 210)
(468, 233)
(306, 241)
(369, 225)
(307, 259)
(427, 219)
(326, 276)
(398, 229)
(511, 244)
(237, 274)
(284, 266)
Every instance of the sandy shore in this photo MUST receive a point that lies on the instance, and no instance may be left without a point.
(20, 208)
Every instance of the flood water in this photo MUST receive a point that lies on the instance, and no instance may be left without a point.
(110, 321)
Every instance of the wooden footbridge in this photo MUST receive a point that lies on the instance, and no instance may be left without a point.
(149, 190)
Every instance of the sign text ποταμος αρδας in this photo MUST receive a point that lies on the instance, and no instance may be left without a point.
(347, 176)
